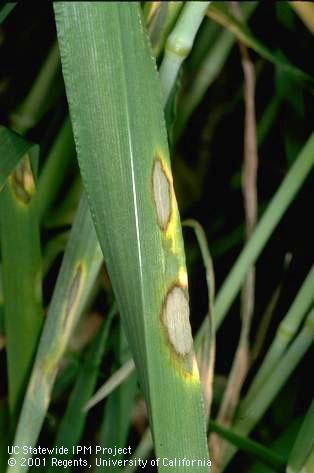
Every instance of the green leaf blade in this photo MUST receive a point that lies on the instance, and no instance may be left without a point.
(21, 259)
(123, 154)
(79, 269)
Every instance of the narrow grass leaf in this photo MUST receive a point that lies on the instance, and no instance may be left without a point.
(21, 261)
(304, 443)
(281, 446)
(76, 278)
(249, 416)
(268, 222)
(117, 413)
(207, 351)
(255, 449)
(115, 380)
(286, 331)
(72, 424)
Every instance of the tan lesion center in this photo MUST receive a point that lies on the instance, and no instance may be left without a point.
(22, 180)
(176, 321)
(162, 194)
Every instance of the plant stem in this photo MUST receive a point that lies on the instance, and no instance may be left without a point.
(161, 23)
(179, 44)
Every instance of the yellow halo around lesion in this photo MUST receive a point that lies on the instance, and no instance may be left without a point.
(170, 227)
(183, 276)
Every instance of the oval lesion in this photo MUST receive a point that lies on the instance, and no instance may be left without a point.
(162, 189)
(176, 320)
(22, 180)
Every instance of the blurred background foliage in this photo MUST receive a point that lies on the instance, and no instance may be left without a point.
(207, 154)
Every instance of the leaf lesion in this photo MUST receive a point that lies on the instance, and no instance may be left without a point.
(22, 180)
(162, 193)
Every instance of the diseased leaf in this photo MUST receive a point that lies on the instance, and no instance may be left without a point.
(123, 154)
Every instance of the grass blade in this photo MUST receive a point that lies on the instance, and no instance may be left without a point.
(113, 382)
(248, 417)
(80, 266)
(303, 444)
(72, 424)
(38, 99)
(285, 333)
(117, 412)
(272, 215)
(21, 262)
(207, 351)
(129, 184)
(258, 451)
